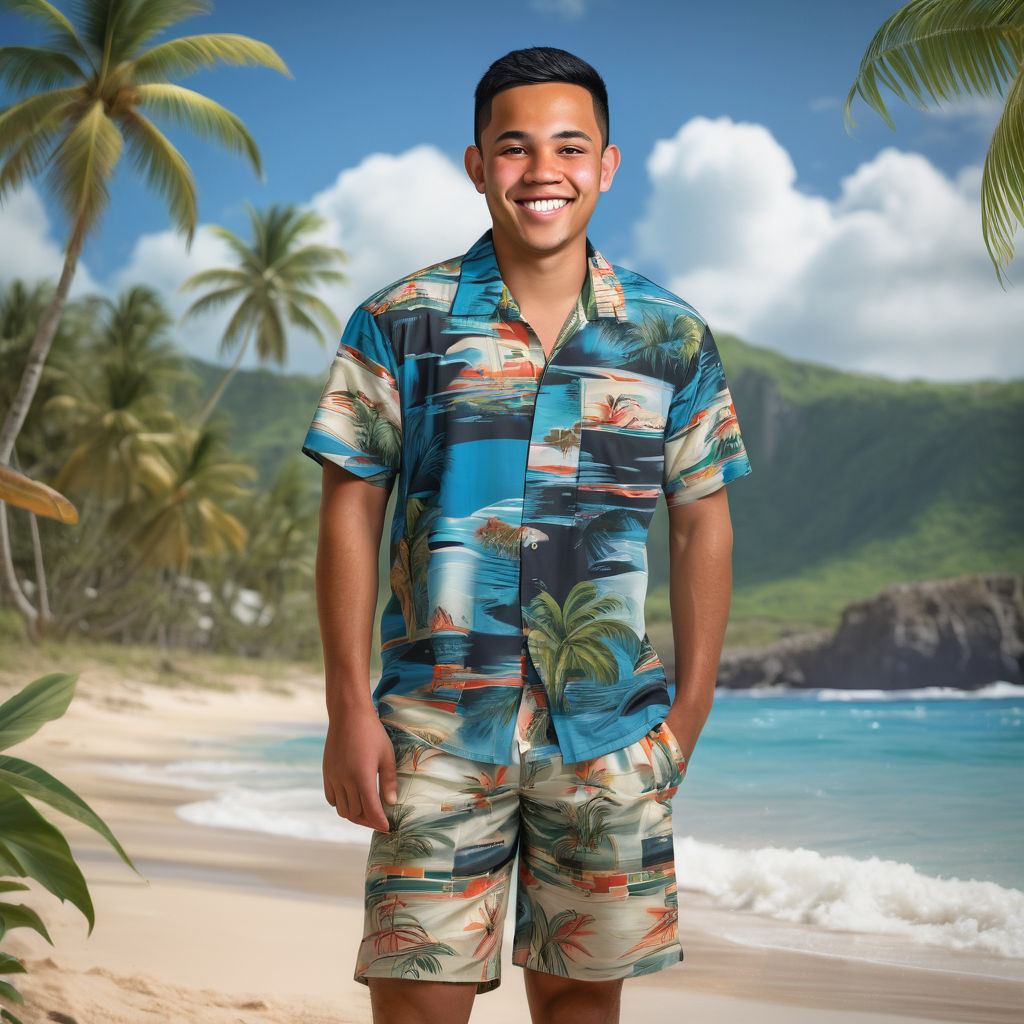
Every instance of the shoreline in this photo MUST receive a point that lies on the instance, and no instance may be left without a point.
(236, 920)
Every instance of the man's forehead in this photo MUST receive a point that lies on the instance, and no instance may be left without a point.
(545, 109)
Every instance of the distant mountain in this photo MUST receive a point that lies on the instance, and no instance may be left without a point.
(858, 481)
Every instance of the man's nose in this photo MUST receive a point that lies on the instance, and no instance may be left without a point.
(543, 168)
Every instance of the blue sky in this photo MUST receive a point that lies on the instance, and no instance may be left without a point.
(778, 223)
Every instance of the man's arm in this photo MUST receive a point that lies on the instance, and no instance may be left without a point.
(357, 746)
(700, 567)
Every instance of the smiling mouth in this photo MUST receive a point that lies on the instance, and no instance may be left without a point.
(543, 205)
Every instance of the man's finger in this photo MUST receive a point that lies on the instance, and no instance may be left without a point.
(388, 779)
(374, 811)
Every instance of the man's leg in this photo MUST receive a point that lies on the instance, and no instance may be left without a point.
(555, 1000)
(399, 1001)
(597, 892)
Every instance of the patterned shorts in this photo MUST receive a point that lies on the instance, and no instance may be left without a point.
(596, 898)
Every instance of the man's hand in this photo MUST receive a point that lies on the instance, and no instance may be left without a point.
(356, 751)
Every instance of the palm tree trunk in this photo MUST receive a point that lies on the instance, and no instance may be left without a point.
(40, 347)
(222, 386)
(28, 614)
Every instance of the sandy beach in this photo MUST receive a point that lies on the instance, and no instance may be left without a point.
(231, 926)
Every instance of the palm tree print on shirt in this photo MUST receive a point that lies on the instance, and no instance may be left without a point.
(569, 641)
(658, 342)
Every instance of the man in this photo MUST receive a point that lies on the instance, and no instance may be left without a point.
(531, 402)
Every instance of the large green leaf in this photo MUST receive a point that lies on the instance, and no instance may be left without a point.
(188, 54)
(10, 964)
(1002, 180)
(40, 851)
(8, 1018)
(43, 700)
(7, 885)
(31, 780)
(8, 991)
(938, 50)
(83, 164)
(17, 915)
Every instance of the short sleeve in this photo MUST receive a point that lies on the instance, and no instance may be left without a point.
(358, 423)
(703, 446)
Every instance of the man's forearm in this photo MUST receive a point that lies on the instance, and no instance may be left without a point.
(351, 524)
(700, 556)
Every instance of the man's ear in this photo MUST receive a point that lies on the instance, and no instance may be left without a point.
(475, 168)
(609, 165)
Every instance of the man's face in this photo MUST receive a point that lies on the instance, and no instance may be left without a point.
(541, 167)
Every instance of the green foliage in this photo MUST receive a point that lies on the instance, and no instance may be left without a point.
(98, 78)
(937, 50)
(859, 482)
(30, 846)
(269, 285)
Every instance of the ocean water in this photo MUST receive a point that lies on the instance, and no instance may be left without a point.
(895, 815)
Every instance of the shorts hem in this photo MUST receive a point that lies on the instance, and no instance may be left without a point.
(481, 986)
(669, 959)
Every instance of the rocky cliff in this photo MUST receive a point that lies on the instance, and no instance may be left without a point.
(964, 632)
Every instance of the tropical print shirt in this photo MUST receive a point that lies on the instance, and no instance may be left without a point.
(526, 486)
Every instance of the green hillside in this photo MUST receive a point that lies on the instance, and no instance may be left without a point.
(858, 481)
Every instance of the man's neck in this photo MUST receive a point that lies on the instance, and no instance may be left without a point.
(544, 286)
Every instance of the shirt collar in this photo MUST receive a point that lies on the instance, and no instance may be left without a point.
(481, 290)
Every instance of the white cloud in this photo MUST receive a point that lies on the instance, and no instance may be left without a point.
(391, 214)
(396, 214)
(160, 261)
(29, 250)
(891, 277)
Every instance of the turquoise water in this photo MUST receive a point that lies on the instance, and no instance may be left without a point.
(845, 811)
(933, 782)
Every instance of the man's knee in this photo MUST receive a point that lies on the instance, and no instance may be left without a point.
(401, 1001)
(555, 1000)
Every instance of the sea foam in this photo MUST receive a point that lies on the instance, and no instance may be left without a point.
(841, 893)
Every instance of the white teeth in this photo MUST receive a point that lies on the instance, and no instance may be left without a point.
(544, 205)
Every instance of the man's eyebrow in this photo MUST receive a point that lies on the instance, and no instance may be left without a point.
(520, 136)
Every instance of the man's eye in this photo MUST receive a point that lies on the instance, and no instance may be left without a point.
(571, 150)
(514, 149)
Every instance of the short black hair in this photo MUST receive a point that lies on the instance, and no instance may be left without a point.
(535, 66)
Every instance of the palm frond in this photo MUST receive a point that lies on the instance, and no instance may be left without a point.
(137, 23)
(190, 54)
(63, 32)
(245, 315)
(26, 116)
(1002, 180)
(30, 152)
(204, 116)
(164, 169)
(213, 300)
(270, 335)
(83, 164)
(298, 316)
(939, 50)
(28, 67)
(215, 275)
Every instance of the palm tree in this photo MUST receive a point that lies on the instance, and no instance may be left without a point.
(940, 49)
(270, 282)
(116, 407)
(181, 515)
(98, 81)
(572, 638)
